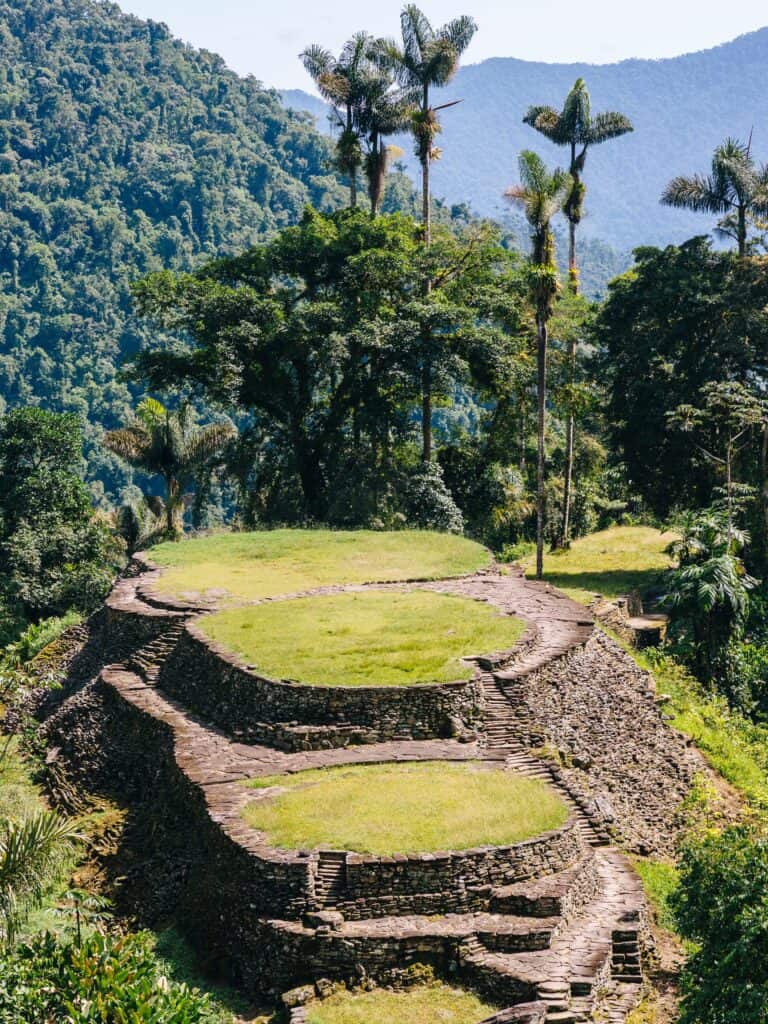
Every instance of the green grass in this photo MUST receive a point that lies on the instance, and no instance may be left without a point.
(403, 808)
(735, 747)
(611, 562)
(248, 566)
(423, 1004)
(660, 878)
(374, 638)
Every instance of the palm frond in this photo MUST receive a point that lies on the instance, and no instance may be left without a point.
(31, 852)
(317, 61)
(207, 442)
(608, 125)
(459, 33)
(695, 193)
(130, 443)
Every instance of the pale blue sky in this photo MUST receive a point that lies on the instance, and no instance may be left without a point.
(263, 37)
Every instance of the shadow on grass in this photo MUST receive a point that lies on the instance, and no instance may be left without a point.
(611, 583)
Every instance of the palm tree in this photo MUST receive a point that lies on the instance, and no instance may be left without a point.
(541, 194)
(575, 127)
(32, 852)
(341, 80)
(736, 188)
(427, 58)
(160, 441)
(383, 111)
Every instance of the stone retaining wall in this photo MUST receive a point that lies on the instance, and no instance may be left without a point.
(451, 882)
(218, 684)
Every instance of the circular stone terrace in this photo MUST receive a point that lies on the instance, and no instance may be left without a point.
(340, 701)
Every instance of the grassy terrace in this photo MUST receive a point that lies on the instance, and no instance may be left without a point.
(611, 562)
(248, 566)
(376, 638)
(423, 1004)
(403, 808)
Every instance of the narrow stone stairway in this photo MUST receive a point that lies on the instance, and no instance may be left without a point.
(505, 722)
(147, 660)
(331, 878)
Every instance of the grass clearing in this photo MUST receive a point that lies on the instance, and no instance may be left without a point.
(423, 1004)
(611, 562)
(248, 566)
(375, 638)
(403, 808)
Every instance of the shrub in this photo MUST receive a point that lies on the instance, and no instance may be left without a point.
(428, 503)
(721, 905)
(105, 980)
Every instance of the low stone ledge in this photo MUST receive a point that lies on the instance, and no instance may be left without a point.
(219, 684)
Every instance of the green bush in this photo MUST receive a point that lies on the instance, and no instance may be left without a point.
(721, 905)
(106, 980)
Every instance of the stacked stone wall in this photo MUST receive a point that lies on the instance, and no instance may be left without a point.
(217, 684)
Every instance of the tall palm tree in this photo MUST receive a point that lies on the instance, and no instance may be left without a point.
(161, 441)
(575, 128)
(736, 188)
(342, 80)
(32, 853)
(427, 57)
(383, 111)
(541, 194)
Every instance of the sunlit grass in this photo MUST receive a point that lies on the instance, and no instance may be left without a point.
(423, 1004)
(404, 808)
(611, 562)
(271, 562)
(373, 638)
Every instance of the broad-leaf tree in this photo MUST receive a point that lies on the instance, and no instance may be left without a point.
(342, 81)
(727, 416)
(55, 552)
(322, 337)
(736, 188)
(427, 57)
(541, 194)
(163, 442)
(682, 318)
(576, 128)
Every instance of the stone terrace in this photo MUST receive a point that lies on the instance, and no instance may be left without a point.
(553, 927)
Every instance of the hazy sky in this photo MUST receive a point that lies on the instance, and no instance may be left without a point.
(263, 37)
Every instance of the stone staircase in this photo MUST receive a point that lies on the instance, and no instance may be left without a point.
(506, 720)
(331, 878)
(147, 661)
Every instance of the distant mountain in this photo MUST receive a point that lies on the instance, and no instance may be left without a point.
(681, 108)
(123, 151)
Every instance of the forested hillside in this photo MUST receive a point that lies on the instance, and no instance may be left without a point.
(681, 109)
(123, 151)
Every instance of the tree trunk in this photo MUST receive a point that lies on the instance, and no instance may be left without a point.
(541, 331)
(353, 189)
(763, 539)
(426, 205)
(565, 538)
(174, 529)
(426, 413)
(742, 231)
(426, 209)
(573, 270)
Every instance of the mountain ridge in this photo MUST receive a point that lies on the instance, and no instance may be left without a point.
(682, 107)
